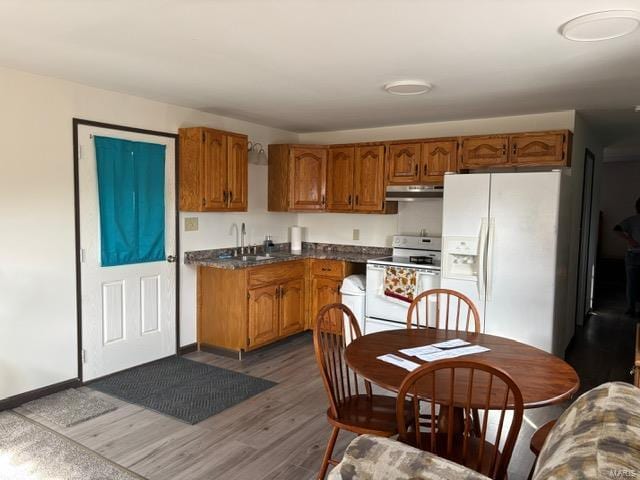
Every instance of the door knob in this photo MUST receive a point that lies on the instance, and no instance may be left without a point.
(171, 259)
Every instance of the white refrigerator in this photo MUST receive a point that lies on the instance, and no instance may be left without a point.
(505, 245)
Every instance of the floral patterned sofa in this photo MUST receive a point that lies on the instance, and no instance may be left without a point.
(597, 437)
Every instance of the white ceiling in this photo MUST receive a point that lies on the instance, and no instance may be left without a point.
(310, 65)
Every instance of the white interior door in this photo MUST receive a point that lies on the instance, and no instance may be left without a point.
(521, 257)
(128, 311)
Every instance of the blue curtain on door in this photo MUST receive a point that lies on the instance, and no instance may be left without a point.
(131, 197)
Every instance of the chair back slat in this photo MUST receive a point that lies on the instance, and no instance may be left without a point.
(330, 341)
(461, 387)
(443, 309)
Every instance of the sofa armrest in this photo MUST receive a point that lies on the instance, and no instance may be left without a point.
(377, 458)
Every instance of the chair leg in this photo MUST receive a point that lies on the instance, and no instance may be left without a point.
(328, 452)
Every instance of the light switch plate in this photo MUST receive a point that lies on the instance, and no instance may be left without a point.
(356, 234)
(191, 224)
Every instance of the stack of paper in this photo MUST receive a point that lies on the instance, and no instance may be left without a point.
(399, 361)
(457, 352)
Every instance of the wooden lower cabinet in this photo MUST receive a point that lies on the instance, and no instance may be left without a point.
(247, 308)
(292, 307)
(263, 315)
(325, 280)
(244, 309)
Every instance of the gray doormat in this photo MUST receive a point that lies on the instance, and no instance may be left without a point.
(188, 390)
(69, 407)
(31, 450)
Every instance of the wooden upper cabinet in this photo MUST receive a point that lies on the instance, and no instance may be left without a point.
(484, 151)
(369, 179)
(213, 170)
(438, 158)
(404, 163)
(340, 168)
(539, 149)
(297, 178)
(308, 178)
(237, 172)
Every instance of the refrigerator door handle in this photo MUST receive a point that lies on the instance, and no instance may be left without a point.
(490, 241)
(482, 247)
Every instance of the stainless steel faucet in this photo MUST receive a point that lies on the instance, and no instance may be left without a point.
(243, 234)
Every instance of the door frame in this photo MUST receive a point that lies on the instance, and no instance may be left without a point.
(77, 122)
(584, 246)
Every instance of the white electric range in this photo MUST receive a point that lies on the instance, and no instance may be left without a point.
(421, 254)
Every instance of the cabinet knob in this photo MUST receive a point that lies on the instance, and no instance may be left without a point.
(171, 259)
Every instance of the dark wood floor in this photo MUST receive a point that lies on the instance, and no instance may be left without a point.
(603, 349)
(281, 433)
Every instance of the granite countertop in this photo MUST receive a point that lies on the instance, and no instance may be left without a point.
(282, 253)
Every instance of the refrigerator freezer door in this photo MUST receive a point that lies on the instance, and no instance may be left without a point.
(465, 205)
(521, 257)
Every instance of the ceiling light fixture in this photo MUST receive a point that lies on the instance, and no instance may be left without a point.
(408, 87)
(598, 26)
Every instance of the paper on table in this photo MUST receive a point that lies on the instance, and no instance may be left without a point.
(456, 342)
(424, 350)
(399, 361)
(458, 352)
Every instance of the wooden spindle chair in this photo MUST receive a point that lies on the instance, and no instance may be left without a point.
(445, 310)
(352, 406)
(458, 387)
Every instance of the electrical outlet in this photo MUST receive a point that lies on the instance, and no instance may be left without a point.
(356, 234)
(191, 224)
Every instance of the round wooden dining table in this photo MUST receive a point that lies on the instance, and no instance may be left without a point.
(543, 379)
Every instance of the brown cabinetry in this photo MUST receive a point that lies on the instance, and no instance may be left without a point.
(297, 178)
(404, 163)
(213, 170)
(326, 280)
(529, 149)
(340, 170)
(485, 151)
(438, 158)
(246, 308)
(263, 314)
(307, 178)
(368, 180)
(421, 163)
(538, 149)
(355, 180)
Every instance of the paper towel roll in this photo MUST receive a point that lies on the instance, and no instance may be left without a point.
(296, 238)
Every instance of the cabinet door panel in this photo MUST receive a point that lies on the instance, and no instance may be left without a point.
(237, 173)
(538, 149)
(325, 291)
(404, 164)
(308, 178)
(437, 159)
(263, 315)
(340, 179)
(214, 171)
(484, 151)
(292, 307)
(369, 179)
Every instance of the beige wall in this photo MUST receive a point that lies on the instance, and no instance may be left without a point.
(620, 188)
(37, 250)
